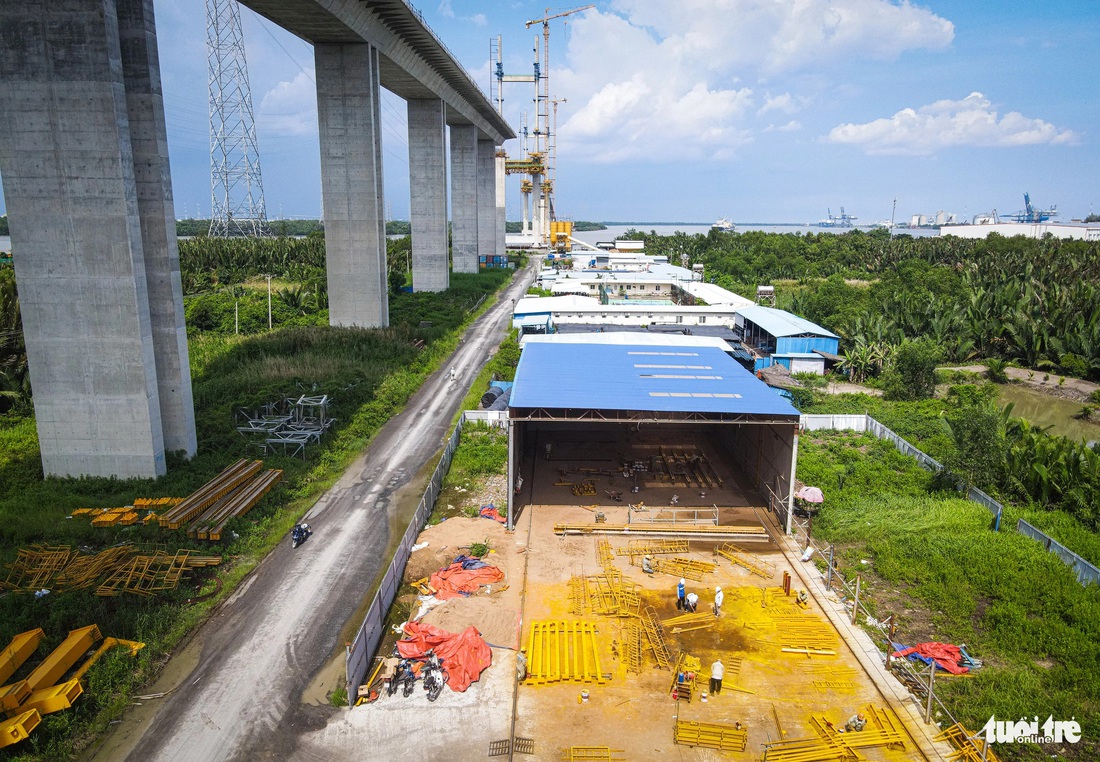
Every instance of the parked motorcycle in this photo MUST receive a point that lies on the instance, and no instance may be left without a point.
(435, 676)
(299, 534)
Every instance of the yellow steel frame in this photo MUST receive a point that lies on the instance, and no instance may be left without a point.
(710, 735)
(563, 651)
(742, 557)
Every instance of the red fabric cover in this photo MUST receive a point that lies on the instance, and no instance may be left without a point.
(490, 512)
(455, 581)
(947, 656)
(464, 655)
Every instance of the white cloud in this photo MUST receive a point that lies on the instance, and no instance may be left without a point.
(667, 79)
(784, 104)
(791, 126)
(290, 108)
(972, 121)
(446, 9)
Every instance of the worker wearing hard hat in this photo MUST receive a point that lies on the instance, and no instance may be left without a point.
(855, 723)
(718, 598)
(647, 564)
(681, 591)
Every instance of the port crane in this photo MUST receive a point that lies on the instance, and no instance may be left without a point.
(1031, 214)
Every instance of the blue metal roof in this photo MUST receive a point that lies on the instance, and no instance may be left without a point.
(647, 377)
(782, 323)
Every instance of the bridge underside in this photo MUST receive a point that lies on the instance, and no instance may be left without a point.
(84, 162)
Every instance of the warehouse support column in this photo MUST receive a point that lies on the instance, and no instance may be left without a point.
(153, 178)
(428, 191)
(512, 473)
(67, 162)
(500, 156)
(486, 199)
(790, 490)
(464, 198)
(349, 125)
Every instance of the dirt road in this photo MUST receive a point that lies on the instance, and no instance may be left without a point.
(257, 654)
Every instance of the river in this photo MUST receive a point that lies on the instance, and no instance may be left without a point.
(1044, 410)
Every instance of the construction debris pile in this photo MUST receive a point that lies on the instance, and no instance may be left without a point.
(42, 691)
(115, 570)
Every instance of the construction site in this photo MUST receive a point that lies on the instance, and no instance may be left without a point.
(585, 647)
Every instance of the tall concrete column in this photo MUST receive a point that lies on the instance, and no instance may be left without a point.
(350, 125)
(153, 178)
(67, 163)
(501, 219)
(428, 192)
(486, 199)
(464, 198)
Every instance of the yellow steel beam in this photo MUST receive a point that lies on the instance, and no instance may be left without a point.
(108, 644)
(19, 727)
(18, 651)
(55, 698)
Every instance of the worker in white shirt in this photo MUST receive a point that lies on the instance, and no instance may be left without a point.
(690, 602)
(717, 672)
(719, 596)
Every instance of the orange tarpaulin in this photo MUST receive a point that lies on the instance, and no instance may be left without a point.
(946, 656)
(455, 581)
(464, 656)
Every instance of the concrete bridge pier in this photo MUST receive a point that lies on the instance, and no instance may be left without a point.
(428, 191)
(350, 125)
(86, 178)
(486, 200)
(464, 198)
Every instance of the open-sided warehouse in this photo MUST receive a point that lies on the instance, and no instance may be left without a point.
(663, 420)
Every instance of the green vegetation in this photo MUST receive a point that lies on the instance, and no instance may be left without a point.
(369, 375)
(4, 225)
(194, 227)
(933, 561)
(1035, 302)
(482, 452)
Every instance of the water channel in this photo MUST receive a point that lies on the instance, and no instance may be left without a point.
(1044, 410)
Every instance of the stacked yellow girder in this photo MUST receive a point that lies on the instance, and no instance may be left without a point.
(217, 488)
(563, 651)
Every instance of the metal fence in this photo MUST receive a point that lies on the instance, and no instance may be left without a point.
(1086, 573)
(371, 631)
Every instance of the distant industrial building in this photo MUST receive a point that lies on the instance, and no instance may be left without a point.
(1079, 231)
(674, 420)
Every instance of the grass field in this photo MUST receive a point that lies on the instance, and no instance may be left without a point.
(932, 559)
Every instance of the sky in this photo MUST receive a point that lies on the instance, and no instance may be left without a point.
(691, 110)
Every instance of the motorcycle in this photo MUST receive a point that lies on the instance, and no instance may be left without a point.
(435, 676)
(403, 677)
(300, 534)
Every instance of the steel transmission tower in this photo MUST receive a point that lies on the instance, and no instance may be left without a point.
(236, 187)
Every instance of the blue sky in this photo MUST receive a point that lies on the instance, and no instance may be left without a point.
(689, 110)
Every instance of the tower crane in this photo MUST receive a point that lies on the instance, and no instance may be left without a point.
(542, 118)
